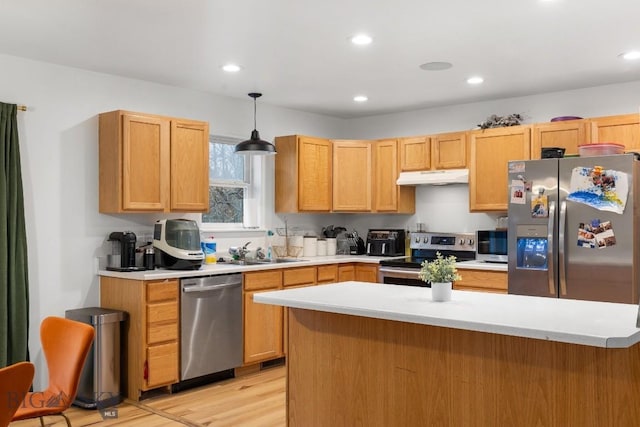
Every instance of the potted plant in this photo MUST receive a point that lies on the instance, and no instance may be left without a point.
(441, 272)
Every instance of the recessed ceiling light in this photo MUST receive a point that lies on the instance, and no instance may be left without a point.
(475, 80)
(436, 66)
(231, 68)
(630, 56)
(361, 39)
(360, 98)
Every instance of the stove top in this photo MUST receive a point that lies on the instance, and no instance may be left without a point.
(425, 246)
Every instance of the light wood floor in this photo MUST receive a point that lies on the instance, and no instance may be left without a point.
(253, 400)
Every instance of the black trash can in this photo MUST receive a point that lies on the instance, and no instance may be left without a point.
(100, 379)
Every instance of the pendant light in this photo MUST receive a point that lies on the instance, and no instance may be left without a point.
(255, 145)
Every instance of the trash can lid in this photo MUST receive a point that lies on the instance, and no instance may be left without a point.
(96, 315)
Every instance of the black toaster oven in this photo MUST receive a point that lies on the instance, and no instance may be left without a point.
(385, 242)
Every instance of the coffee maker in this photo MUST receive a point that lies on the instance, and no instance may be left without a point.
(123, 251)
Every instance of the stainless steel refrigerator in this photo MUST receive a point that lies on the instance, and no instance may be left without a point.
(573, 228)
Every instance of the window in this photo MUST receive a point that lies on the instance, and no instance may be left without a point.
(230, 186)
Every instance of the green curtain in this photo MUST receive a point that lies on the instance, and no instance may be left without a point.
(14, 279)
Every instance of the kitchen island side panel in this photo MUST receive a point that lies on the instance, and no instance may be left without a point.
(348, 370)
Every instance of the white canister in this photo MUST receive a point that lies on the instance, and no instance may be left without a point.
(310, 246)
(332, 244)
(322, 247)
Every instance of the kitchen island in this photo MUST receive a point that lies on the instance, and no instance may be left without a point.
(385, 355)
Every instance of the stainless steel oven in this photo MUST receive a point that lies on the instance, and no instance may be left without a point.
(424, 247)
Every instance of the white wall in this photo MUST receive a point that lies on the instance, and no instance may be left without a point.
(59, 152)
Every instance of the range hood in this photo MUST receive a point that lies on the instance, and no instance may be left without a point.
(437, 177)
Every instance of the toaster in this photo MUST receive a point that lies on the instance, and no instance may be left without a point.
(385, 242)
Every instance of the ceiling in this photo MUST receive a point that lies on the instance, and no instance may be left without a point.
(298, 53)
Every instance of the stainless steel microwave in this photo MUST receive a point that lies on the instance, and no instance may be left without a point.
(491, 246)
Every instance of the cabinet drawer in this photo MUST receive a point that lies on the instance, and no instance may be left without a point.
(157, 333)
(162, 312)
(162, 364)
(262, 280)
(482, 280)
(162, 291)
(299, 276)
(327, 273)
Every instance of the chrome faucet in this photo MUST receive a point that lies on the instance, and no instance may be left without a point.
(241, 252)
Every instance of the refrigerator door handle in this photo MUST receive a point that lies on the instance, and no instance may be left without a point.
(550, 233)
(561, 254)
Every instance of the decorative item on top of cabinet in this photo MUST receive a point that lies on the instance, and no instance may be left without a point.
(563, 134)
(151, 163)
(303, 174)
(623, 129)
(491, 149)
(387, 195)
(352, 172)
(449, 150)
(415, 153)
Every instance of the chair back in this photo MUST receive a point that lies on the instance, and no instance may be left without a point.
(65, 344)
(15, 381)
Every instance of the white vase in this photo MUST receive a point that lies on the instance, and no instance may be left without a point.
(441, 291)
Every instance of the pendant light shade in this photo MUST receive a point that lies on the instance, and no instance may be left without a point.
(255, 145)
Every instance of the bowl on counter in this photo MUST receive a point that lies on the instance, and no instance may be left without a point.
(600, 149)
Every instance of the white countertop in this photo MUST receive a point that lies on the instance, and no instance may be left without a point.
(598, 324)
(482, 265)
(223, 268)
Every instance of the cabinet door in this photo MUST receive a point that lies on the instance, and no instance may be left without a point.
(162, 364)
(327, 274)
(299, 276)
(352, 176)
(415, 154)
(189, 166)
(262, 330)
(145, 162)
(491, 149)
(314, 174)
(449, 150)
(367, 273)
(385, 166)
(346, 273)
(482, 280)
(624, 129)
(567, 135)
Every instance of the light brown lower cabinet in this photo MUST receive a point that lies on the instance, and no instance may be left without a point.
(151, 331)
(482, 280)
(367, 273)
(262, 323)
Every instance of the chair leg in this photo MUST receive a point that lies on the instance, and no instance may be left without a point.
(66, 419)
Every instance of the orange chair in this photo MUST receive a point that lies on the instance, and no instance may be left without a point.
(15, 381)
(65, 344)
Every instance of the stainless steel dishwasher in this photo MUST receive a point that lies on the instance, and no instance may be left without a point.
(211, 324)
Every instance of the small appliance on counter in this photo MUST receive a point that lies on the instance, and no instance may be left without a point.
(123, 252)
(491, 246)
(385, 242)
(177, 244)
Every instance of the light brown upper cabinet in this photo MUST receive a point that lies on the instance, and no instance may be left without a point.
(491, 150)
(624, 129)
(415, 153)
(564, 134)
(387, 195)
(449, 150)
(352, 172)
(152, 163)
(303, 173)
